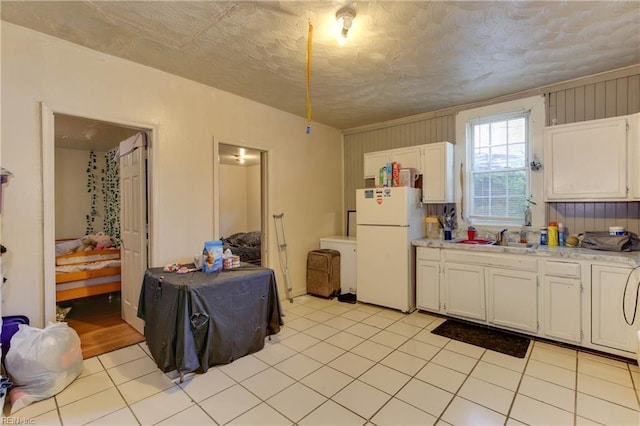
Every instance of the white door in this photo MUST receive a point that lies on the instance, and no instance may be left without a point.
(133, 230)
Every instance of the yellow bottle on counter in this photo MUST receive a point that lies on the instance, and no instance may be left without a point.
(553, 233)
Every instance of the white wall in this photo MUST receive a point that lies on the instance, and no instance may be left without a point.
(253, 198)
(233, 199)
(239, 199)
(188, 116)
(73, 202)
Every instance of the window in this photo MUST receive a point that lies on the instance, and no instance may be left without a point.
(509, 136)
(498, 167)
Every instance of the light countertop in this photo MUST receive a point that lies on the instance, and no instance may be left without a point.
(627, 258)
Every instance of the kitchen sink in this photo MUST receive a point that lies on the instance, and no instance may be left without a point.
(490, 243)
(477, 242)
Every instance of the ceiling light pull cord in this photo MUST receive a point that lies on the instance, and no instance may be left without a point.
(308, 73)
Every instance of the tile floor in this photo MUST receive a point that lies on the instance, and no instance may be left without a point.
(343, 364)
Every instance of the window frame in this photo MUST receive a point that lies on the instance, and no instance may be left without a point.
(473, 171)
(535, 106)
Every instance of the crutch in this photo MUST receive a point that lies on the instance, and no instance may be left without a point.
(282, 253)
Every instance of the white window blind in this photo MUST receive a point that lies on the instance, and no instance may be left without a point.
(497, 150)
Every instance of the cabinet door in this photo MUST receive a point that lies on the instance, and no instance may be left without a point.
(561, 308)
(410, 157)
(437, 174)
(464, 291)
(586, 161)
(634, 155)
(608, 326)
(513, 300)
(428, 285)
(373, 161)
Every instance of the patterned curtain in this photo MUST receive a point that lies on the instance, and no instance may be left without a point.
(91, 189)
(111, 193)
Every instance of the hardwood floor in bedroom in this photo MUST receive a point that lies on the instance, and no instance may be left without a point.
(97, 321)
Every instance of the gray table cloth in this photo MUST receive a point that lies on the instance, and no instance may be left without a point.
(196, 320)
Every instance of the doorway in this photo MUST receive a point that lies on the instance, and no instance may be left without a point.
(80, 154)
(241, 200)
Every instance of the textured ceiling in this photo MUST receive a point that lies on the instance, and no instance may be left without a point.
(402, 57)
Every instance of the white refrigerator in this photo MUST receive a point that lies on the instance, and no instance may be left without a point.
(387, 220)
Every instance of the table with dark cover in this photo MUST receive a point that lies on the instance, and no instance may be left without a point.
(196, 320)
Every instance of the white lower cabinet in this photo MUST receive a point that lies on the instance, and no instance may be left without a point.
(464, 291)
(512, 299)
(428, 279)
(561, 304)
(576, 301)
(561, 301)
(608, 325)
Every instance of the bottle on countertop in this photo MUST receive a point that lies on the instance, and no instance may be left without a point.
(527, 216)
(523, 234)
(544, 237)
(561, 235)
(553, 233)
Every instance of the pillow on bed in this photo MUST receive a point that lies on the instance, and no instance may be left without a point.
(64, 247)
(234, 239)
(252, 239)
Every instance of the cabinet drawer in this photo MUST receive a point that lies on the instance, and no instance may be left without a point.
(428, 254)
(562, 269)
(522, 263)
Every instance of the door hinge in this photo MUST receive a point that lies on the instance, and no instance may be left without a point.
(537, 326)
(581, 288)
(581, 336)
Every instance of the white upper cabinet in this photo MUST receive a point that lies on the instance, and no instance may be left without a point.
(374, 161)
(433, 161)
(409, 157)
(586, 160)
(634, 155)
(437, 173)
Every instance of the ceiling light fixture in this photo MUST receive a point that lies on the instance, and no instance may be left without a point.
(344, 17)
(240, 158)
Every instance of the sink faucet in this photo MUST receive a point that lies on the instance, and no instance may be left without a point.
(501, 238)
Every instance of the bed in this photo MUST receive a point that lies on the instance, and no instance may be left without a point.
(247, 245)
(87, 273)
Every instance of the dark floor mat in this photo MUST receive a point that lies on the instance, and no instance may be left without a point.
(485, 337)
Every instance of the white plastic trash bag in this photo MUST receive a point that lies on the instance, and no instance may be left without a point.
(42, 362)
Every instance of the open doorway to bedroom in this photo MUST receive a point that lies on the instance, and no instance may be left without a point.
(87, 232)
(241, 197)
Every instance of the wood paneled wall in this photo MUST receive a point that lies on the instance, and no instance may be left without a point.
(604, 95)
